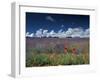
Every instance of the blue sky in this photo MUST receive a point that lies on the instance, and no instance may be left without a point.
(55, 23)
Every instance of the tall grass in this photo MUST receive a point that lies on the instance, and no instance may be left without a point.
(57, 54)
(45, 59)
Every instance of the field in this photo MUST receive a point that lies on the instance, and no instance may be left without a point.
(56, 51)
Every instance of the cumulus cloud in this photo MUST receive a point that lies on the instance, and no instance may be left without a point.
(86, 33)
(29, 34)
(70, 32)
(52, 34)
(77, 32)
(39, 33)
(50, 18)
(45, 33)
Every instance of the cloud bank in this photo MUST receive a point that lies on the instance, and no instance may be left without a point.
(70, 32)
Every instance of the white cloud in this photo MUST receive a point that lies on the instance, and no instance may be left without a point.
(50, 18)
(61, 34)
(45, 33)
(39, 33)
(29, 34)
(60, 31)
(51, 34)
(86, 33)
(77, 32)
(71, 32)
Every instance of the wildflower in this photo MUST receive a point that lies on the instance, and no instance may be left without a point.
(74, 51)
(65, 49)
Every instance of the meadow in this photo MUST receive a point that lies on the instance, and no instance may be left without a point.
(56, 51)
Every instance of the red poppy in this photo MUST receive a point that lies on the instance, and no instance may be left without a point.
(74, 50)
(65, 50)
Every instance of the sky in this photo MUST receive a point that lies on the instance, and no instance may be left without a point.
(56, 25)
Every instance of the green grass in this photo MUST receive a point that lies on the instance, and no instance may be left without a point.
(47, 59)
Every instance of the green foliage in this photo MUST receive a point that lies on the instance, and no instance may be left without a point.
(41, 60)
(45, 59)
